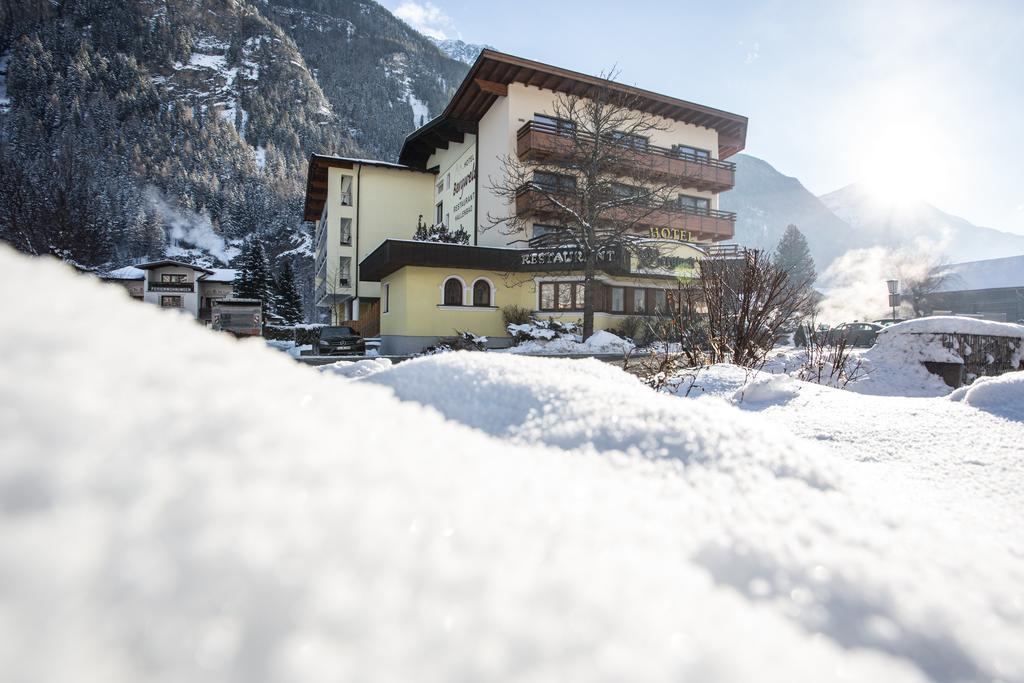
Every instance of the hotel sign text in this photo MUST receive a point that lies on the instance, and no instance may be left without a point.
(671, 234)
(562, 259)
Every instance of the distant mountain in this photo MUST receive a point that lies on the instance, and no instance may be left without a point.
(146, 128)
(917, 225)
(766, 201)
(457, 49)
(382, 78)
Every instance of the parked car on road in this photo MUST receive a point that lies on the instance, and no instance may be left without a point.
(855, 334)
(340, 341)
(885, 322)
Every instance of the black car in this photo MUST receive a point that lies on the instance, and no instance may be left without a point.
(855, 334)
(340, 341)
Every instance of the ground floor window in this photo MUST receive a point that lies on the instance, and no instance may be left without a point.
(639, 300)
(561, 296)
(452, 292)
(385, 298)
(482, 293)
(170, 302)
(618, 299)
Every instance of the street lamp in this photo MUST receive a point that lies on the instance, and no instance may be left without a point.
(894, 295)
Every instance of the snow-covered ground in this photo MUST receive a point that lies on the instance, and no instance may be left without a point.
(177, 505)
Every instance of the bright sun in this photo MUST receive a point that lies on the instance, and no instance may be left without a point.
(898, 152)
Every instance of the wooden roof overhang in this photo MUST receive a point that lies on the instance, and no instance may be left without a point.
(491, 74)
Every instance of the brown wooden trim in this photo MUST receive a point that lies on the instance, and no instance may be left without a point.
(499, 89)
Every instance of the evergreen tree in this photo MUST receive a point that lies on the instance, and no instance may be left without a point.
(253, 280)
(794, 256)
(289, 303)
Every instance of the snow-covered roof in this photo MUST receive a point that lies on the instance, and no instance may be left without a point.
(220, 275)
(997, 273)
(125, 273)
(171, 262)
(954, 324)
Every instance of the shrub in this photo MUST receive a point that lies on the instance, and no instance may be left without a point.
(543, 330)
(515, 315)
(462, 341)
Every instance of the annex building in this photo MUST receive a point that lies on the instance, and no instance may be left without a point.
(369, 268)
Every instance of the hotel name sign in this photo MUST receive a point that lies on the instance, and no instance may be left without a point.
(671, 234)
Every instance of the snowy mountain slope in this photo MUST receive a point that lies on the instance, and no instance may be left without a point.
(876, 221)
(486, 517)
(383, 79)
(458, 49)
(767, 201)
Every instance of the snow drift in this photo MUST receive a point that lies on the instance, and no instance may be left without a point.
(180, 506)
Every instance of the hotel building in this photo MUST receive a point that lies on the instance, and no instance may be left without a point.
(370, 270)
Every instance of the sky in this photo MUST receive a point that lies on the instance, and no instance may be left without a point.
(921, 99)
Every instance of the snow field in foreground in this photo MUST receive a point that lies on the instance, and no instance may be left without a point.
(179, 506)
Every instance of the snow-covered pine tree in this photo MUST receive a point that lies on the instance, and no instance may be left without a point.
(289, 303)
(253, 280)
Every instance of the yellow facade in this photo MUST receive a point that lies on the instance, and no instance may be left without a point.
(415, 301)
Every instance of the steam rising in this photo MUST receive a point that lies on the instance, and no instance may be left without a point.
(192, 229)
(854, 284)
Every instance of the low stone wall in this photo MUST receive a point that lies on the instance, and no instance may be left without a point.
(983, 355)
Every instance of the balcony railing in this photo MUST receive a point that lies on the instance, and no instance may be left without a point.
(171, 287)
(543, 142)
(668, 221)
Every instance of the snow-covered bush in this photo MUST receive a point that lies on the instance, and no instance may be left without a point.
(544, 330)
(462, 341)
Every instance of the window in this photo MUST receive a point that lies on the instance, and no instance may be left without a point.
(564, 296)
(554, 182)
(561, 296)
(694, 204)
(691, 153)
(547, 296)
(346, 231)
(385, 297)
(618, 299)
(578, 292)
(344, 270)
(624, 191)
(346, 190)
(553, 124)
(639, 300)
(439, 218)
(170, 302)
(452, 292)
(482, 293)
(660, 301)
(630, 140)
(172, 277)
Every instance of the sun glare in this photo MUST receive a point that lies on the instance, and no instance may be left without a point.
(898, 153)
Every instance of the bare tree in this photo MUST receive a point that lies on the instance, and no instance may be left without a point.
(593, 185)
(922, 277)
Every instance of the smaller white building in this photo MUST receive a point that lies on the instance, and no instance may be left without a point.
(174, 284)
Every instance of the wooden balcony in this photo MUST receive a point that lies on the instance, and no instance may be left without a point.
(539, 142)
(681, 223)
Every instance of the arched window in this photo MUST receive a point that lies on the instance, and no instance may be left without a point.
(482, 293)
(452, 292)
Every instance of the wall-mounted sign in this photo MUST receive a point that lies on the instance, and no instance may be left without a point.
(564, 258)
(671, 234)
(678, 261)
(458, 196)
